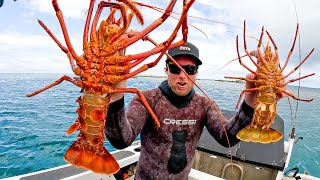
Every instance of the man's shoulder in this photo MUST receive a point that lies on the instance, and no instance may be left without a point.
(202, 100)
(152, 93)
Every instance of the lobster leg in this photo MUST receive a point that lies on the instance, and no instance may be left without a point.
(86, 47)
(134, 11)
(259, 52)
(182, 22)
(239, 58)
(143, 100)
(289, 54)
(63, 78)
(112, 69)
(111, 19)
(64, 30)
(123, 10)
(116, 79)
(145, 67)
(155, 24)
(166, 14)
(122, 29)
(249, 53)
(126, 21)
(275, 48)
(64, 49)
(294, 69)
(293, 80)
(165, 45)
(93, 34)
(159, 48)
(292, 95)
(244, 91)
(162, 47)
(245, 44)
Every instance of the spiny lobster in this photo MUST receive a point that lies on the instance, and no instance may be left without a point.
(269, 83)
(101, 67)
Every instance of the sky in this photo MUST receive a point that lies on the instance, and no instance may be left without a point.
(26, 48)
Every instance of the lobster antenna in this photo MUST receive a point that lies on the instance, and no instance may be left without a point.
(252, 37)
(196, 17)
(295, 115)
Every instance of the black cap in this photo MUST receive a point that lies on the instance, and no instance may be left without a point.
(188, 50)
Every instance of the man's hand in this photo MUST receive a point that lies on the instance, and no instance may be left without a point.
(121, 84)
(282, 95)
(250, 97)
(119, 95)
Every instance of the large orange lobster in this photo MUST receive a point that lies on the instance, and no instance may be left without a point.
(101, 66)
(269, 82)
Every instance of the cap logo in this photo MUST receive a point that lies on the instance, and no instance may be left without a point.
(182, 48)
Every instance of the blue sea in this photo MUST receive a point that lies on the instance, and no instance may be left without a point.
(32, 130)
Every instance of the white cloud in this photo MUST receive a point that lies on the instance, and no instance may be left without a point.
(69, 8)
(17, 39)
(31, 48)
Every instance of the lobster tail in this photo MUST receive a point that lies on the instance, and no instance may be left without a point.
(265, 136)
(264, 114)
(94, 158)
(88, 150)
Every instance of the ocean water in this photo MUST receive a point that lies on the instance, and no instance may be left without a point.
(32, 130)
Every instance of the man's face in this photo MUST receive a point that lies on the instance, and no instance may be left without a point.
(180, 84)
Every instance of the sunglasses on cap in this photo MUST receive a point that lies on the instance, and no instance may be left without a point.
(191, 70)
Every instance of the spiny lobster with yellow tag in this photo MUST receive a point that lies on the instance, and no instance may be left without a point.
(269, 83)
(101, 66)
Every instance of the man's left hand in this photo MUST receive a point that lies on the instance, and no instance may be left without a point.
(250, 97)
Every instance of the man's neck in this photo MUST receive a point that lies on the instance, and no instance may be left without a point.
(177, 101)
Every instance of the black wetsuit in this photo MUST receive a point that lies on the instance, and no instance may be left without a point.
(168, 152)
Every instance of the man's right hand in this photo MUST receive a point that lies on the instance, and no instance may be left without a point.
(117, 96)
(122, 84)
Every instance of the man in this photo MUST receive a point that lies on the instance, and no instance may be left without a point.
(168, 152)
